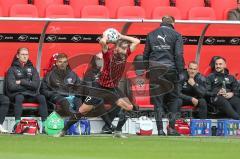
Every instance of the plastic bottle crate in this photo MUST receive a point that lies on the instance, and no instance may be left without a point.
(227, 127)
(200, 127)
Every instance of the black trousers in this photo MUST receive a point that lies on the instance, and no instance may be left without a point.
(63, 107)
(164, 95)
(202, 107)
(109, 117)
(19, 99)
(231, 107)
(4, 106)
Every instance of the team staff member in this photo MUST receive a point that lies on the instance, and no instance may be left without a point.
(193, 88)
(163, 54)
(22, 85)
(222, 88)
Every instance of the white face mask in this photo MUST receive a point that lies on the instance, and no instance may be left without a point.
(99, 63)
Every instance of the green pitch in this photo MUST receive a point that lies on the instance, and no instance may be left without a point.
(106, 147)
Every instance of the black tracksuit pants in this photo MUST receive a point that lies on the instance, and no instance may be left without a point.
(231, 107)
(19, 99)
(202, 107)
(164, 95)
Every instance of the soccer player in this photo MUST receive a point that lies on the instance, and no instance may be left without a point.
(107, 85)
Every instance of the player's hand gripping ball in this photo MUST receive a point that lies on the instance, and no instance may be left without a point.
(111, 34)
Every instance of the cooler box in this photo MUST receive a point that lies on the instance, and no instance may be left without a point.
(228, 127)
(200, 127)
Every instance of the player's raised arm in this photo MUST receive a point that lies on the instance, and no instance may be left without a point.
(133, 41)
(103, 43)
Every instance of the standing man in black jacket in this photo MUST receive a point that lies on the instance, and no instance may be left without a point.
(193, 88)
(163, 56)
(22, 84)
(58, 84)
(222, 88)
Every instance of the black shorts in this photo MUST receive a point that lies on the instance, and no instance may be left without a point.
(104, 94)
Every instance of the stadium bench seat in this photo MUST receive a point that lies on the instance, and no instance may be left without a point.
(139, 92)
(94, 11)
(23, 10)
(137, 85)
(1, 12)
(113, 6)
(201, 13)
(59, 11)
(221, 8)
(43, 4)
(159, 12)
(77, 5)
(130, 12)
(185, 5)
(149, 5)
(6, 5)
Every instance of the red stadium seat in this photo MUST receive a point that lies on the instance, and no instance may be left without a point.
(139, 92)
(59, 11)
(159, 12)
(187, 110)
(43, 4)
(113, 6)
(1, 12)
(30, 105)
(95, 11)
(77, 5)
(185, 5)
(221, 8)
(23, 10)
(201, 13)
(130, 12)
(6, 5)
(149, 5)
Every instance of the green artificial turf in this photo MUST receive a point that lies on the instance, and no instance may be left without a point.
(106, 147)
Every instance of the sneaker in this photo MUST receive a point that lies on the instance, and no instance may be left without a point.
(172, 132)
(108, 130)
(2, 130)
(118, 134)
(60, 134)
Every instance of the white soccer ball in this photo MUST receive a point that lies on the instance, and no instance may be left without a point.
(111, 34)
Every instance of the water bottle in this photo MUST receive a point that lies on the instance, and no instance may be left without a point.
(224, 86)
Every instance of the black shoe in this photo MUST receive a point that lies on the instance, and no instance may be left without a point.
(43, 130)
(60, 134)
(161, 133)
(172, 132)
(107, 130)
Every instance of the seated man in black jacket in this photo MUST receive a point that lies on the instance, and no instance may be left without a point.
(222, 88)
(22, 85)
(234, 14)
(192, 89)
(57, 86)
